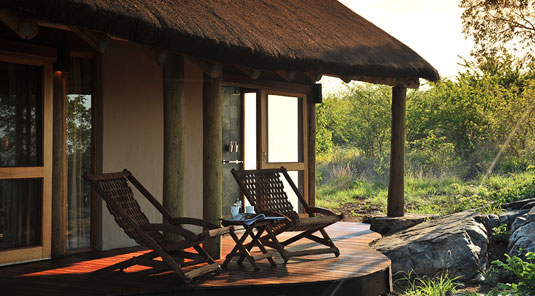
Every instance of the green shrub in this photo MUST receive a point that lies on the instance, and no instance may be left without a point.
(501, 233)
(524, 271)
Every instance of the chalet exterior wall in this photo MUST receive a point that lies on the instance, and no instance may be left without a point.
(193, 180)
(132, 128)
(132, 131)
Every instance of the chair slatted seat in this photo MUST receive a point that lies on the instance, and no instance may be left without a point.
(264, 189)
(115, 190)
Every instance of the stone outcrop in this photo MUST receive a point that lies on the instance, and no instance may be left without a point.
(456, 244)
(523, 234)
(387, 225)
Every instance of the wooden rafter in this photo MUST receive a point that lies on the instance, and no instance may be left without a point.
(97, 41)
(252, 73)
(26, 27)
(315, 76)
(288, 76)
(212, 69)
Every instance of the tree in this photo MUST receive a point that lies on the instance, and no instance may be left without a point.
(358, 116)
(500, 25)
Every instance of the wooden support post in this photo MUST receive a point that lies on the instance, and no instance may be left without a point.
(212, 157)
(174, 145)
(396, 186)
(311, 152)
(59, 168)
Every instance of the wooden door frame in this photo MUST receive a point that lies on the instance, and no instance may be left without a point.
(44, 172)
(263, 145)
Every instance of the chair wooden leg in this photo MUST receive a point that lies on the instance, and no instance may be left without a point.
(299, 236)
(273, 242)
(328, 238)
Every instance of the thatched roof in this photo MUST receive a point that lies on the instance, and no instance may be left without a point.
(296, 35)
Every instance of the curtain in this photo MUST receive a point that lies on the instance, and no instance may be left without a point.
(20, 146)
(79, 154)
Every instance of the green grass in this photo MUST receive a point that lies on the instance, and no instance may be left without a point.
(430, 195)
(439, 285)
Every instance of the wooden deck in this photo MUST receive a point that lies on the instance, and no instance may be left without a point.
(358, 271)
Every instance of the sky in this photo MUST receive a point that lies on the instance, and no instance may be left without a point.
(432, 28)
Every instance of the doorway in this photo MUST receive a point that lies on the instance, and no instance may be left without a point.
(269, 130)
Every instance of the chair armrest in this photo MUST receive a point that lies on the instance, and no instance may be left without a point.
(269, 213)
(218, 231)
(194, 221)
(170, 228)
(323, 211)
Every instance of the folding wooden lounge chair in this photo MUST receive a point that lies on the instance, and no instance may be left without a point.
(264, 189)
(119, 197)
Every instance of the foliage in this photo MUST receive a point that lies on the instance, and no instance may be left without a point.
(480, 124)
(497, 25)
(524, 270)
(357, 117)
(494, 275)
(501, 233)
(439, 285)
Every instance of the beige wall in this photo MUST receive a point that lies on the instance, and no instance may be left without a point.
(132, 131)
(132, 127)
(193, 180)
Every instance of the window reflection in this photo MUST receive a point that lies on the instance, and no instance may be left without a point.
(20, 115)
(79, 153)
(20, 213)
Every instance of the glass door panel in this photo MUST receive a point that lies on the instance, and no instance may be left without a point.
(21, 115)
(283, 134)
(296, 177)
(21, 120)
(20, 213)
(25, 105)
(285, 129)
(79, 154)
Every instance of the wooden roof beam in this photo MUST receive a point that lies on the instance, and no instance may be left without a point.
(212, 69)
(252, 73)
(288, 76)
(413, 82)
(407, 82)
(97, 41)
(26, 27)
(316, 76)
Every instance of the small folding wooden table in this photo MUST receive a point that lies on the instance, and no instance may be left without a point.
(262, 226)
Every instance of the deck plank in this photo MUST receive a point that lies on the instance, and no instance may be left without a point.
(358, 267)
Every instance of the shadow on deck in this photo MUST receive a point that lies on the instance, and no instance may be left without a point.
(358, 271)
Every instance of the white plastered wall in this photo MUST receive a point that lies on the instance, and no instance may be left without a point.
(132, 131)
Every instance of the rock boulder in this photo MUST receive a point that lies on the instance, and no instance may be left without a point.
(456, 244)
(523, 234)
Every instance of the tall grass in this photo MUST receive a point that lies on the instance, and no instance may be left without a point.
(345, 176)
